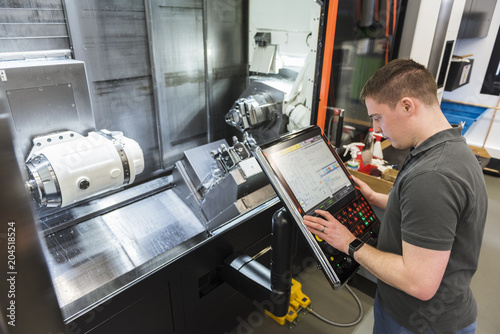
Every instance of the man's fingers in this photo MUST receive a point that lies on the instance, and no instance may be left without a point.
(327, 215)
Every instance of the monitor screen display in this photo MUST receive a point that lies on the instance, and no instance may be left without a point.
(312, 173)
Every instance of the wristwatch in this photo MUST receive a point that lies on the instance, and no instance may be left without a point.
(354, 246)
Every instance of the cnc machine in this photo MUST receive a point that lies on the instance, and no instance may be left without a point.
(135, 197)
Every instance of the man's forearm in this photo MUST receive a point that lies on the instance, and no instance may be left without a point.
(379, 200)
(381, 264)
(405, 273)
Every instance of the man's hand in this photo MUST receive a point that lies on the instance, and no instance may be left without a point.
(374, 198)
(364, 188)
(402, 272)
(329, 229)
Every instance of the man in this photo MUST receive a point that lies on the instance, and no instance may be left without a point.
(434, 217)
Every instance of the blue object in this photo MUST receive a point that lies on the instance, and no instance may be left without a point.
(457, 112)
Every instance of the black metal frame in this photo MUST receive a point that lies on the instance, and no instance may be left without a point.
(271, 287)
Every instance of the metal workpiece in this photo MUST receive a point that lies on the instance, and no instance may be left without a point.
(220, 182)
(200, 165)
(235, 194)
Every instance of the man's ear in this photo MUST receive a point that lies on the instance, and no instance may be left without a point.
(408, 104)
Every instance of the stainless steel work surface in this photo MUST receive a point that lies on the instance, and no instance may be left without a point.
(98, 257)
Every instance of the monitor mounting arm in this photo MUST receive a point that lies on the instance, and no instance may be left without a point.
(271, 287)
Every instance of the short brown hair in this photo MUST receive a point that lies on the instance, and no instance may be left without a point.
(399, 78)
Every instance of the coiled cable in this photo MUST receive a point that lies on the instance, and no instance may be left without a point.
(333, 323)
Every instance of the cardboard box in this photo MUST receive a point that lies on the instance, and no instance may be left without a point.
(377, 184)
(481, 154)
(390, 175)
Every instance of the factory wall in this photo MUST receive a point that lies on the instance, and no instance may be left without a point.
(481, 49)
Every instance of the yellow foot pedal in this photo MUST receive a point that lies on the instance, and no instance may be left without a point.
(298, 302)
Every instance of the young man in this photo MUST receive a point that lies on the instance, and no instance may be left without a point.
(434, 217)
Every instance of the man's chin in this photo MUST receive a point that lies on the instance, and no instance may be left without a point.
(398, 146)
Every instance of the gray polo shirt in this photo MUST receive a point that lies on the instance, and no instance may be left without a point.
(438, 202)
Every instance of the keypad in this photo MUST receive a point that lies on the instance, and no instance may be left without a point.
(360, 219)
(358, 216)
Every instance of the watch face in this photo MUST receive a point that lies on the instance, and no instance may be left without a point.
(356, 243)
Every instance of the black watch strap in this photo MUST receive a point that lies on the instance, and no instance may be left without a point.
(354, 246)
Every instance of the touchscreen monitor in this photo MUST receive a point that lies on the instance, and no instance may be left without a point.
(313, 174)
(307, 174)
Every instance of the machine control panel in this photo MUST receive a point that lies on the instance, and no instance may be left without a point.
(360, 219)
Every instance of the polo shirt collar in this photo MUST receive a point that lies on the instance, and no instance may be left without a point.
(436, 139)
